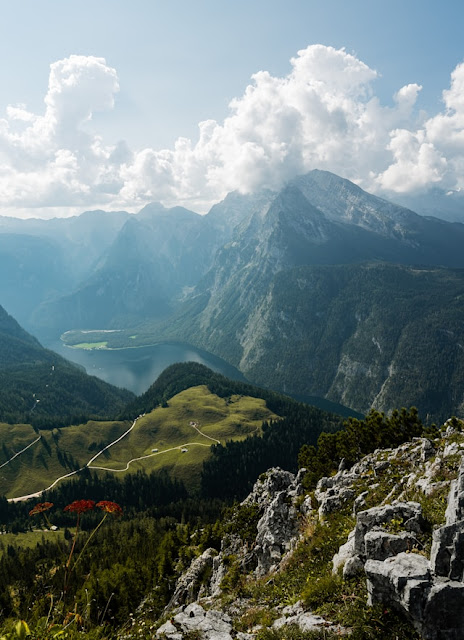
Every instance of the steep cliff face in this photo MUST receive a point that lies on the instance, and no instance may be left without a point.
(404, 556)
(323, 291)
(365, 336)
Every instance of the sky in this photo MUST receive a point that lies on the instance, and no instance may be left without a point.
(112, 104)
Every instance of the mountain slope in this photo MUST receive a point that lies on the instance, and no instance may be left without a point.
(157, 255)
(188, 410)
(43, 259)
(254, 308)
(41, 387)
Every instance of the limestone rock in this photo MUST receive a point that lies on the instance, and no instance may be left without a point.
(306, 621)
(277, 528)
(408, 514)
(275, 493)
(209, 625)
(369, 540)
(447, 557)
(380, 545)
(189, 584)
(268, 484)
(430, 593)
(401, 581)
(345, 552)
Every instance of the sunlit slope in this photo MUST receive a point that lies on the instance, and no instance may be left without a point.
(167, 429)
(49, 454)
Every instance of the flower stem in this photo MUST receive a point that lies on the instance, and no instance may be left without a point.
(89, 538)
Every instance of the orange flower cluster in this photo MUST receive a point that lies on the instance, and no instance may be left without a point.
(40, 508)
(80, 506)
(109, 507)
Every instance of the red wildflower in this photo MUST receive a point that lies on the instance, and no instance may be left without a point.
(110, 507)
(40, 508)
(80, 506)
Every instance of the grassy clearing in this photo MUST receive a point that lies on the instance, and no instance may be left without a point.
(62, 450)
(169, 427)
(29, 539)
(90, 345)
(57, 453)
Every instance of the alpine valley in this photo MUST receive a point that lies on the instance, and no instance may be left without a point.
(320, 289)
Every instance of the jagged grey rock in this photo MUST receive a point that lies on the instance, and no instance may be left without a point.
(190, 583)
(344, 554)
(275, 494)
(455, 508)
(400, 580)
(305, 620)
(408, 514)
(360, 502)
(380, 545)
(369, 540)
(208, 624)
(430, 593)
(443, 615)
(306, 506)
(447, 558)
(277, 528)
(268, 484)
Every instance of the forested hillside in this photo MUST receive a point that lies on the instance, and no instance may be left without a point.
(39, 387)
(362, 335)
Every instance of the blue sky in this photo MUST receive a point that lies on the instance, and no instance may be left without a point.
(178, 63)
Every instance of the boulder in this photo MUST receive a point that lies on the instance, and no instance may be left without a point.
(430, 593)
(305, 620)
(447, 557)
(408, 515)
(401, 581)
(193, 619)
(268, 484)
(369, 540)
(380, 545)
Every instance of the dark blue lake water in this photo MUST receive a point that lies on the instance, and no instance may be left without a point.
(137, 369)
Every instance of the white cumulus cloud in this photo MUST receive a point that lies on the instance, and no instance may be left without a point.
(324, 114)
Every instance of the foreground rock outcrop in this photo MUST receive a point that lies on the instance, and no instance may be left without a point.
(274, 496)
(407, 566)
(210, 624)
(429, 591)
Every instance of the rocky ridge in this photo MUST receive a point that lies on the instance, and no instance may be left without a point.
(393, 497)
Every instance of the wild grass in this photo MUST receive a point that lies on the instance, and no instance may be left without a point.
(29, 539)
(167, 429)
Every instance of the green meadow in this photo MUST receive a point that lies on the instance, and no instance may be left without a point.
(168, 429)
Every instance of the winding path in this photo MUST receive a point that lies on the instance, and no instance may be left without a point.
(20, 452)
(151, 455)
(194, 425)
(89, 465)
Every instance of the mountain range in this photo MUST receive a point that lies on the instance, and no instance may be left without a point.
(317, 289)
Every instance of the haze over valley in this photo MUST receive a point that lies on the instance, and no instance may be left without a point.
(318, 289)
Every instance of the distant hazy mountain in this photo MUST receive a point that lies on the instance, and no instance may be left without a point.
(43, 259)
(447, 205)
(41, 387)
(157, 257)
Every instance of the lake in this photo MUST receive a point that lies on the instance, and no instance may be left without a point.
(136, 369)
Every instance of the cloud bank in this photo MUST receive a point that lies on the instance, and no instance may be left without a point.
(324, 114)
